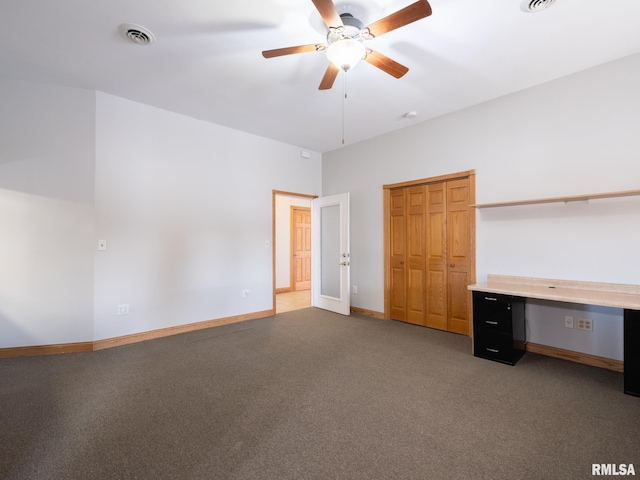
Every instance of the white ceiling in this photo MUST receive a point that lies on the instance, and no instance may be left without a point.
(207, 63)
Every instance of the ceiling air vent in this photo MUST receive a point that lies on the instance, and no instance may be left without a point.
(533, 6)
(137, 34)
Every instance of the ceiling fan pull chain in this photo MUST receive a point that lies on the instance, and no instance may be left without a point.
(344, 98)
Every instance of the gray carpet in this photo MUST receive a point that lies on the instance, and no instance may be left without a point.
(310, 395)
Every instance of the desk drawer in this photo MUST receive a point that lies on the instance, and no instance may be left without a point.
(493, 346)
(492, 305)
(492, 323)
(632, 352)
(632, 376)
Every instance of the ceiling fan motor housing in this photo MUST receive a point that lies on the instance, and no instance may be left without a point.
(352, 29)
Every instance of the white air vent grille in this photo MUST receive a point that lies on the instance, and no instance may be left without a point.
(137, 34)
(533, 6)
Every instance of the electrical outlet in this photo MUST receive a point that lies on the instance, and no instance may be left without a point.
(585, 324)
(568, 321)
(102, 245)
(123, 309)
(245, 293)
(355, 289)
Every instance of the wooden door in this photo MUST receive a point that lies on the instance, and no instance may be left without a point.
(398, 241)
(458, 255)
(408, 254)
(437, 256)
(430, 251)
(449, 236)
(300, 248)
(416, 284)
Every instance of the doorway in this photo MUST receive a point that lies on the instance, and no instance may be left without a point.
(291, 250)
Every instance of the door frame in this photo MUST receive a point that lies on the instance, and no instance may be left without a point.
(274, 194)
(471, 174)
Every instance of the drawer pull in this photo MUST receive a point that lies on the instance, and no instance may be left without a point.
(491, 322)
(493, 350)
(491, 298)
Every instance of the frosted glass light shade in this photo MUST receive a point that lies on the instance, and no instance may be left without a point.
(344, 54)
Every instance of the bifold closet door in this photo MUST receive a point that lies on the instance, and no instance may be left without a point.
(437, 256)
(408, 254)
(449, 256)
(398, 239)
(430, 254)
(459, 250)
(416, 200)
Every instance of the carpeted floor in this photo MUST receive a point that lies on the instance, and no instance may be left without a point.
(310, 395)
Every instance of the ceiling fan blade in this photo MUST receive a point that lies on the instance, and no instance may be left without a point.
(385, 64)
(329, 77)
(278, 52)
(407, 15)
(328, 12)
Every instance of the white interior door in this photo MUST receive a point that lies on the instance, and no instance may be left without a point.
(330, 253)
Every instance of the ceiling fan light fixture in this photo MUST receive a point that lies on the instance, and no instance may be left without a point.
(346, 53)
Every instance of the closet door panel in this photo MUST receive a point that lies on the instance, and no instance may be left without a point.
(416, 254)
(436, 300)
(398, 248)
(458, 255)
(458, 321)
(436, 257)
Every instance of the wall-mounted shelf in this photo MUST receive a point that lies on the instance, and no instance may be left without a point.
(574, 198)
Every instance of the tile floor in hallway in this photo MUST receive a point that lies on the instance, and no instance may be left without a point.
(285, 302)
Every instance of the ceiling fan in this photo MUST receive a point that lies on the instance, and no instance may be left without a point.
(345, 40)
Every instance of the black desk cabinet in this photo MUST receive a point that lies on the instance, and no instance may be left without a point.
(498, 327)
(632, 352)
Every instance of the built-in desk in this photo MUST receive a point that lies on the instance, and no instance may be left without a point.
(622, 296)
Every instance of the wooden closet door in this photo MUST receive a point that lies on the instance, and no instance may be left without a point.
(416, 201)
(430, 251)
(458, 254)
(398, 239)
(437, 256)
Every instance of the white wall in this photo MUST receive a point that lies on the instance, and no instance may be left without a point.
(575, 135)
(47, 151)
(185, 207)
(283, 236)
